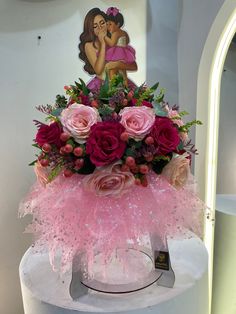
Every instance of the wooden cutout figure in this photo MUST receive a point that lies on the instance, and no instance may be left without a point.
(104, 47)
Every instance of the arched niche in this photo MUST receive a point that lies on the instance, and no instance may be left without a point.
(207, 110)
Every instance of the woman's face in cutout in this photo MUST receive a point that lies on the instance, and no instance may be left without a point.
(99, 24)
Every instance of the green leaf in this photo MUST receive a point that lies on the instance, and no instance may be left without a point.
(159, 164)
(88, 166)
(33, 162)
(159, 111)
(130, 152)
(36, 145)
(154, 87)
(55, 172)
(84, 87)
(104, 89)
(56, 112)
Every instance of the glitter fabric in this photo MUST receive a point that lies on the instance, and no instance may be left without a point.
(72, 221)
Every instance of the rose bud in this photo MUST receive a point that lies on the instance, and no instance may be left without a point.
(46, 147)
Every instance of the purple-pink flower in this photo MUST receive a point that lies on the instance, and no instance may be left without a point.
(77, 121)
(137, 121)
(109, 181)
(165, 135)
(104, 144)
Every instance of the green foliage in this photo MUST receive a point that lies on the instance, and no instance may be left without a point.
(105, 110)
(55, 172)
(159, 163)
(188, 125)
(159, 111)
(61, 101)
(33, 162)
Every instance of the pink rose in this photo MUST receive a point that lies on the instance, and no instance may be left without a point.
(42, 173)
(77, 121)
(165, 135)
(104, 144)
(137, 121)
(177, 171)
(109, 181)
(49, 134)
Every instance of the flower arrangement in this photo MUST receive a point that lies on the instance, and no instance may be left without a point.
(115, 137)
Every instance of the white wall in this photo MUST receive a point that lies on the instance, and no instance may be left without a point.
(226, 174)
(196, 21)
(163, 18)
(32, 74)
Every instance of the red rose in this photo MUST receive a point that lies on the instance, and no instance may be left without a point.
(165, 135)
(104, 144)
(49, 134)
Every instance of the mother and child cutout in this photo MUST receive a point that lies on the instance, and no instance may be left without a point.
(104, 47)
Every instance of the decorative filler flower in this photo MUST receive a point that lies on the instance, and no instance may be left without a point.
(128, 132)
(112, 11)
(137, 121)
(109, 181)
(77, 121)
(165, 135)
(49, 134)
(104, 144)
(177, 171)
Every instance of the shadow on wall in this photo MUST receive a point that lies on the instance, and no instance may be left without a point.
(19, 15)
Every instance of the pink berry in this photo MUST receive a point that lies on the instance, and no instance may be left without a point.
(44, 162)
(41, 156)
(46, 147)
(135, 169)
(62, 150)
(130, 161)
(148, 157)
(67, 87)
(79, 163)
(94, 103)
(124, 168)
(130, 94)
(149, 140)
(125, 102)
(64, 136)
(144, 181)
(124, 136)
(143, 169)
(67, 173)
(137, 181)
(78, 151)
(68, 148)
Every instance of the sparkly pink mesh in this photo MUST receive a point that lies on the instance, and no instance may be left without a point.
(68, 219)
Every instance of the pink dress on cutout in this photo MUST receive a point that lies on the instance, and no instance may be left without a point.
(121, 52)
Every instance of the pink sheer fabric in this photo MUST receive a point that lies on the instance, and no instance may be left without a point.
(69, 219)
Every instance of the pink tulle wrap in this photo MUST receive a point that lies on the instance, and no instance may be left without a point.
(71, 220)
